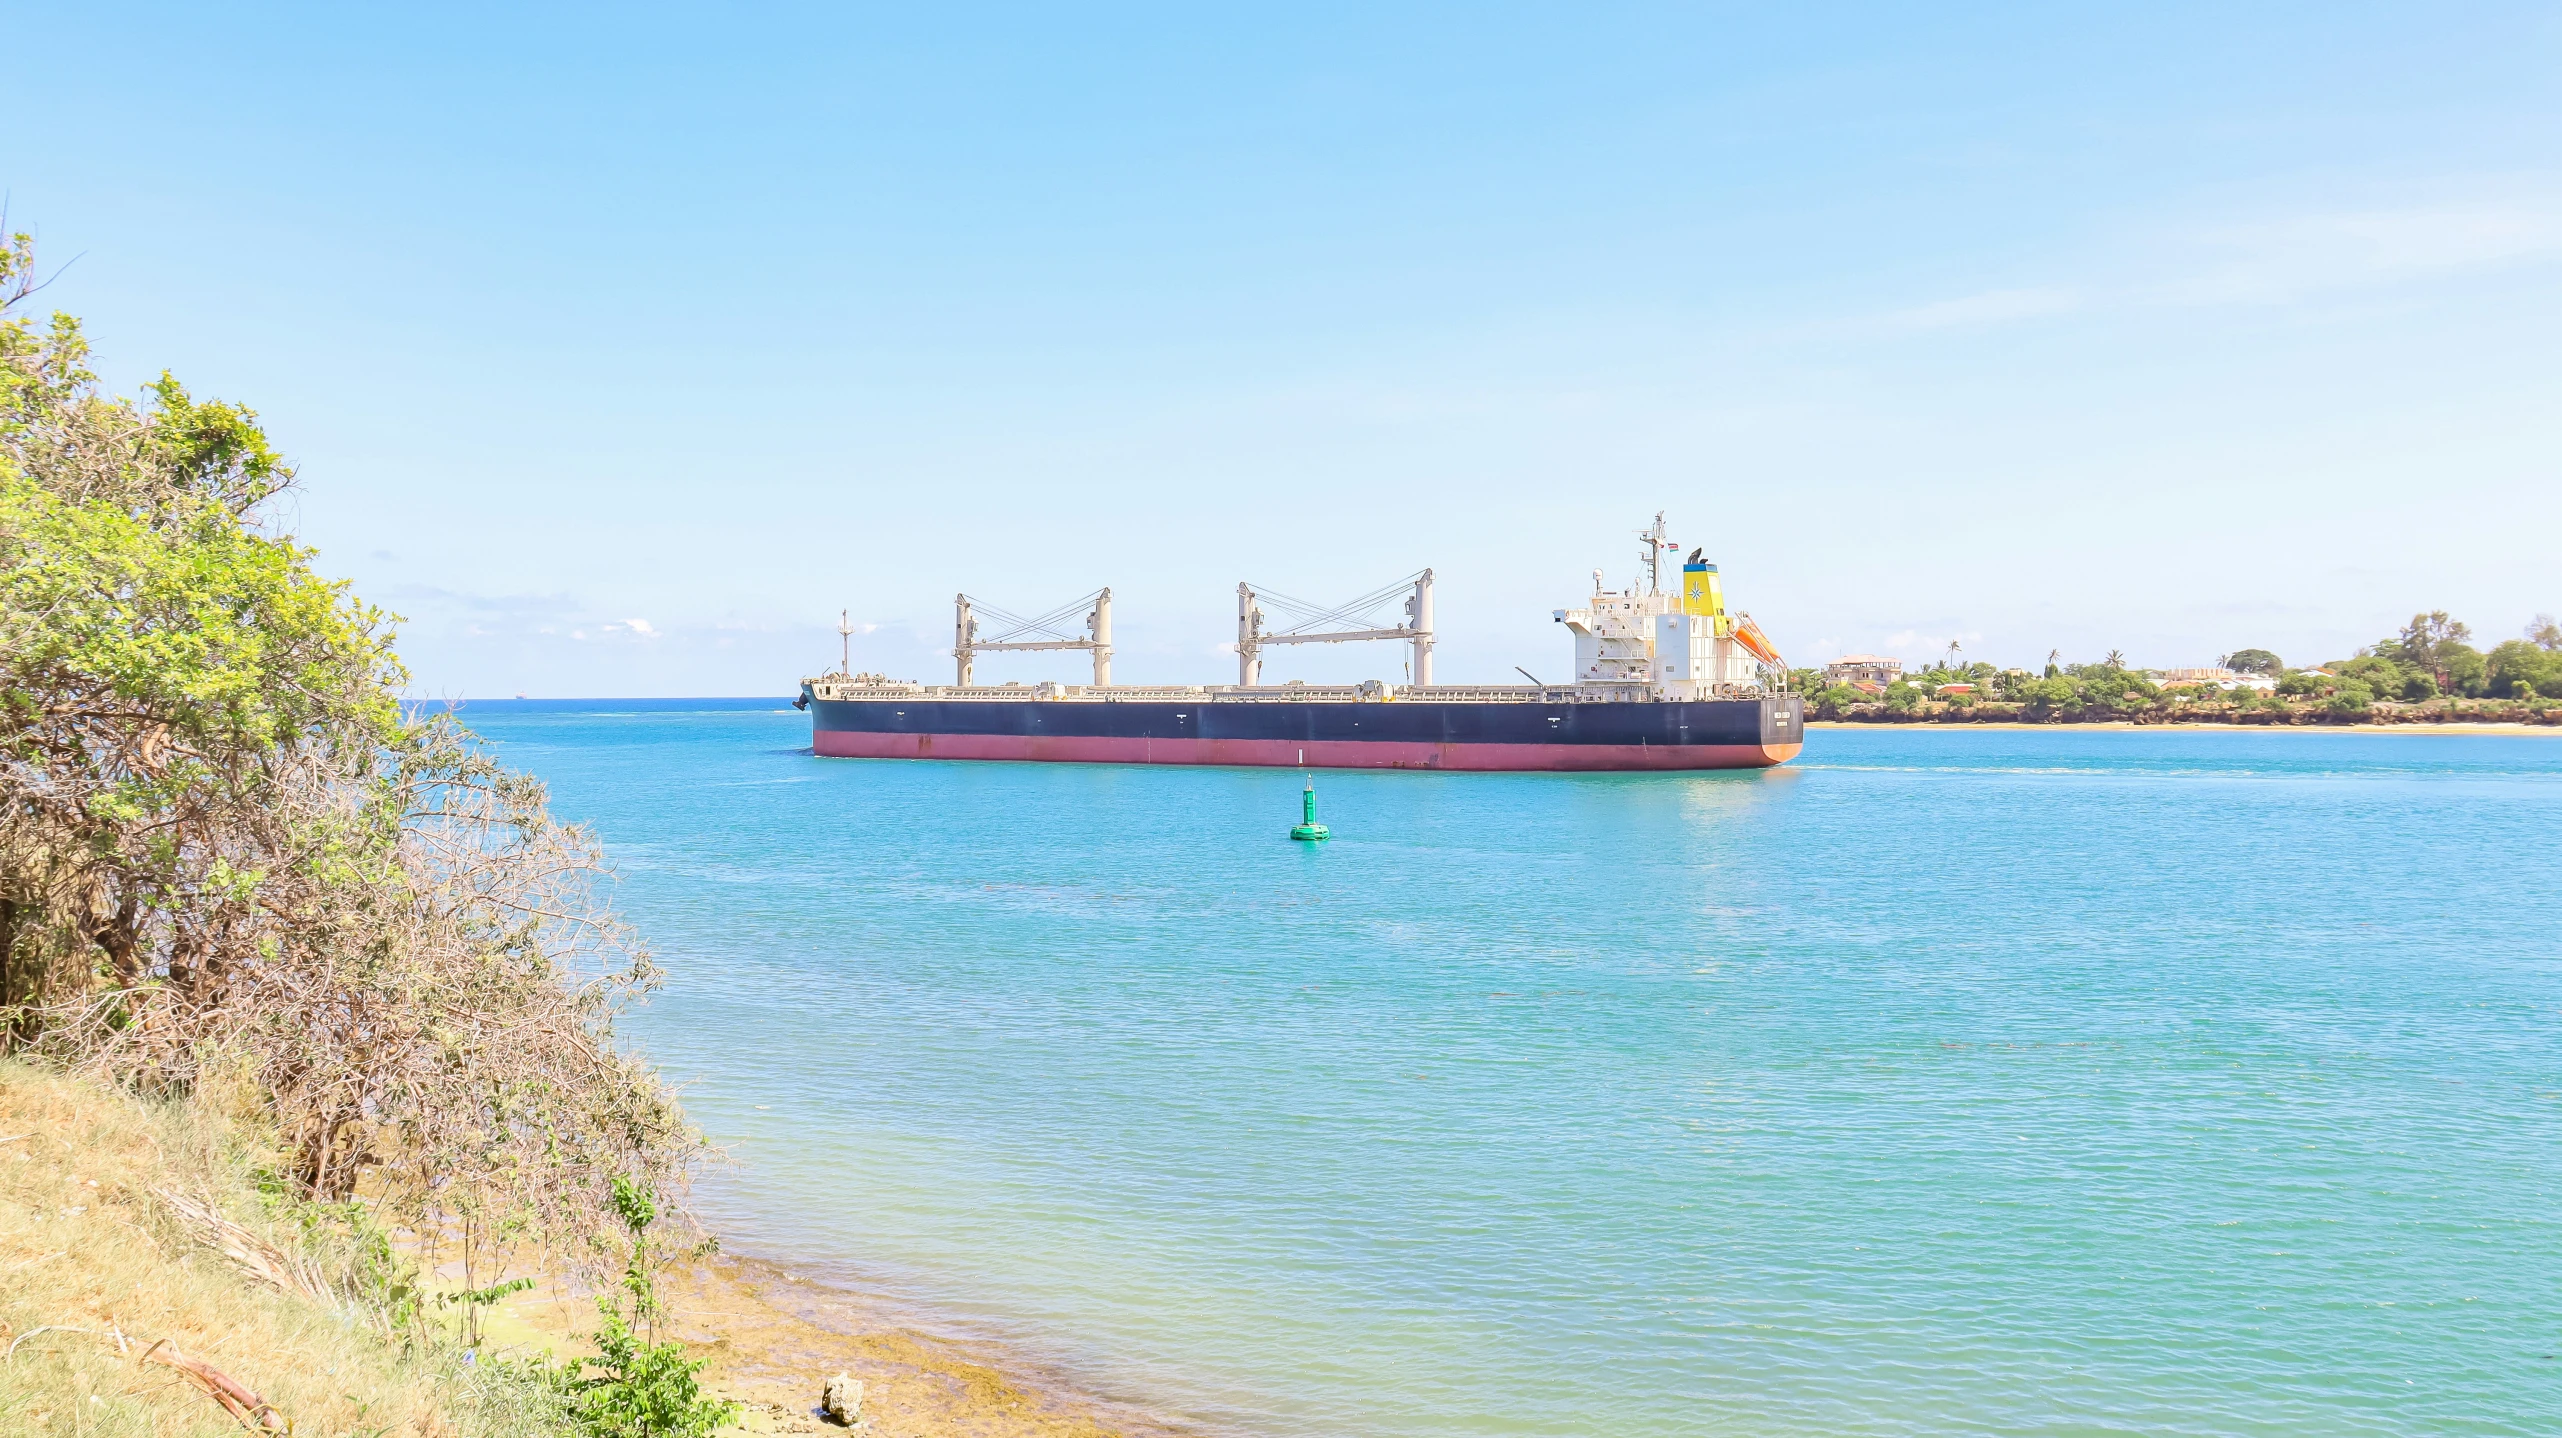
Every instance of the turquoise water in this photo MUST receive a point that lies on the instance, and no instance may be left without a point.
(1985, 1082)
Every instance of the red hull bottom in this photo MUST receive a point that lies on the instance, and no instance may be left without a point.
(1293, 753)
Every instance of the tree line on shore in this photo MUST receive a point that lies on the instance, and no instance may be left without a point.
(2432, 658)
(231, 859)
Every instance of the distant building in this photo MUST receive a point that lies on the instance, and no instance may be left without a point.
(2215, 677)
(1859, 669)
(1960, 688)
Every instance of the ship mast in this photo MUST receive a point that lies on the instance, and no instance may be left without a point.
(1656, 542)
(845, 635)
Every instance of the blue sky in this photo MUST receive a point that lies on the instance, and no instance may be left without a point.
(620, 349)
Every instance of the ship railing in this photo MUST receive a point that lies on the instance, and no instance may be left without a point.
(1296, 693)
(826, 689)
(1486, 693)
(1044, 690)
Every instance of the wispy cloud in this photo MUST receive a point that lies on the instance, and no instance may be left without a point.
(2277, 259)
(2295, 256)
(1990, 307)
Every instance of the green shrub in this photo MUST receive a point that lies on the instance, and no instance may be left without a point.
(1835, 701)
(642, 1388)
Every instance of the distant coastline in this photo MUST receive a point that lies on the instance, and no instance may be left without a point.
(2438, 716)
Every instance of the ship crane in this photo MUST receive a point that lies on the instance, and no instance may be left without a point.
(1014, 633)
(1359, 618)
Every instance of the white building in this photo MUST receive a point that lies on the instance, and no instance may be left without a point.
(1864, 668)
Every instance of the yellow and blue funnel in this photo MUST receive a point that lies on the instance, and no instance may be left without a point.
(1702, 593)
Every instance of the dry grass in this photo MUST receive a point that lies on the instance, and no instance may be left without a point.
(91, 1255)
(95, 1271)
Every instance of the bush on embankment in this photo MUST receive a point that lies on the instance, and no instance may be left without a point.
(228, 855)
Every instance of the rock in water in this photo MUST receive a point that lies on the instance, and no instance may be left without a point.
(842, 1399)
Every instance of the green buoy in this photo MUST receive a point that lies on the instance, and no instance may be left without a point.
(1308, 827)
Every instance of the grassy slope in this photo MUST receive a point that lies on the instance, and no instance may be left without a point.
(84, 1245)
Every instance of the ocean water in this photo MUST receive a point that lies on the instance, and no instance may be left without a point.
(1943, 1082)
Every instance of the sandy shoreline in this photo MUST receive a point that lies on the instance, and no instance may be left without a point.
(774, 1336)
(2551, 731)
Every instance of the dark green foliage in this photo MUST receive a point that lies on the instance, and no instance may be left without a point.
(1834, 702)
(2254, 661)
(2053, 694)
(2521, 669)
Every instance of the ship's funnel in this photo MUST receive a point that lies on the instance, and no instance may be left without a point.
(1702, 592)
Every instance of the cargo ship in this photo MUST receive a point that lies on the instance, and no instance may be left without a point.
(1664, 678)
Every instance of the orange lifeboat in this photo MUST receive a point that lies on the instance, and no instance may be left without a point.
(1756, 643)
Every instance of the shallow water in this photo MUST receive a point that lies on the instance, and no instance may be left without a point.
(2001, 1082)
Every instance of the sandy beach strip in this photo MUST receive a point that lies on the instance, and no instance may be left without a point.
(775, 1335)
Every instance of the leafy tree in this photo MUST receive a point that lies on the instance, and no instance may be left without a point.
(223, 843)
(2051, 696)
(2297, 683)
(2518, 669)
(1835, 701)
(2254, 661)
(2382, 675)
(2422, 638)
(2431, 646)
(1902, 697)
(2464, 668)
(2351, 697)
(2544, 633)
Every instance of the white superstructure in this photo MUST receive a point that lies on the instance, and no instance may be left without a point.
(1646, 643)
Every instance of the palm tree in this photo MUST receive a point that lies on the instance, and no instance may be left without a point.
(2115, 660)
